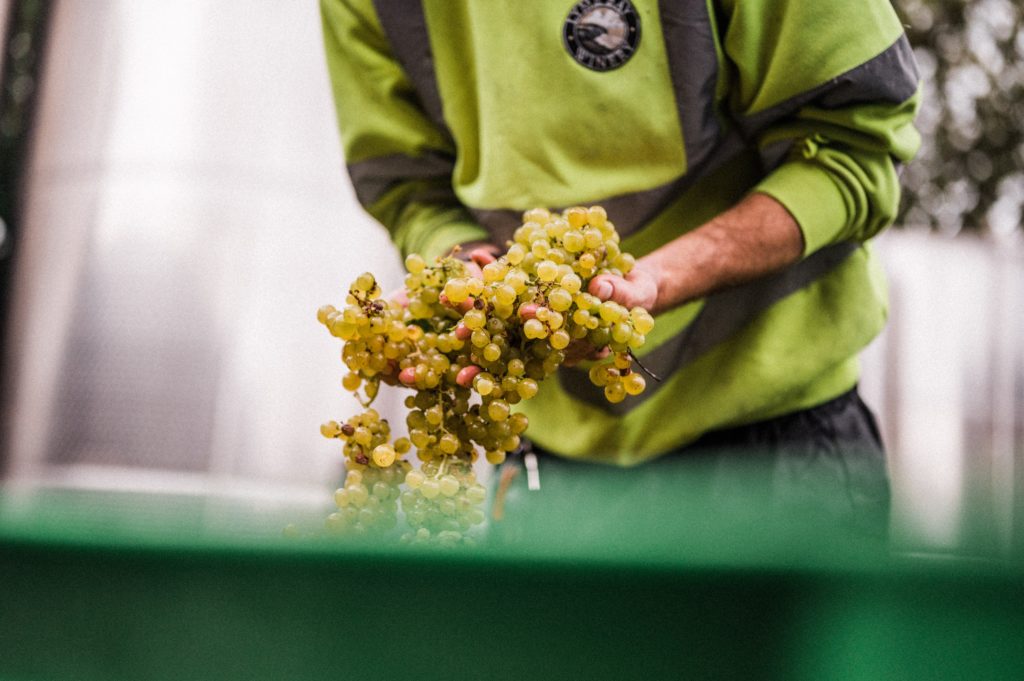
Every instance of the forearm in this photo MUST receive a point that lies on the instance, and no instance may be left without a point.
(754, 238)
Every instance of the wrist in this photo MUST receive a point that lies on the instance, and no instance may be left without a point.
(649, 286)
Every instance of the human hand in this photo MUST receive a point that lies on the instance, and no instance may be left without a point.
(477, 256)
(400, 296)
(639, 288)
(582, 351)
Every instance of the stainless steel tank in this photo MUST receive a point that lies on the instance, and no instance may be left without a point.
(186, 214)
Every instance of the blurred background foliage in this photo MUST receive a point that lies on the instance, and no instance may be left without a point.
(968, 174)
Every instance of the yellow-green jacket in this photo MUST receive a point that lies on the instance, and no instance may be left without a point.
(456, 116)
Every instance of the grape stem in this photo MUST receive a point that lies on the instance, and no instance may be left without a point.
(641, 365)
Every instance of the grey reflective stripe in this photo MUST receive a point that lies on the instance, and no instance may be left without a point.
(723, 315)
(405, 26)
(890, 77)
(693, 66)
(500, 224)
(632, 211)
(373, 177)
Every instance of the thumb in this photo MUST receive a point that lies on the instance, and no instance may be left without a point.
(628, 292)
(602, 287)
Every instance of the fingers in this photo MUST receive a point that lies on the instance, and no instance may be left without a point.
(478, 258)
(590, 354)
(400, 296)
(464, 378)
(579, 351)
(482, 256)
(463, 307)
(474, 270)
(466, 375)
(602, 286)
(528, 311)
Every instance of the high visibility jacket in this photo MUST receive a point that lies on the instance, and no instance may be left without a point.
(455, 116)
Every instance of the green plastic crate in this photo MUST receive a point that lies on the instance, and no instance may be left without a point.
(586, 579)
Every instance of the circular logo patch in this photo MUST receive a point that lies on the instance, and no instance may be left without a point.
(602, 34)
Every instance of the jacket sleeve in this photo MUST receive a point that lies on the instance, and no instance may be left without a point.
(828, 91)
(399, 160)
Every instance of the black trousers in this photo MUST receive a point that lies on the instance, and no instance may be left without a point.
(828, 459)
(824, 466)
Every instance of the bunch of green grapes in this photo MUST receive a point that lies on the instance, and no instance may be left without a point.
(375, 468)
(443, 502)
(540, 287)
(471, 346)
(368, 501)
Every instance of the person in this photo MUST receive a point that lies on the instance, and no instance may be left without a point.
(747, 153)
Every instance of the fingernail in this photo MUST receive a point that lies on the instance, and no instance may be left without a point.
(604, 290)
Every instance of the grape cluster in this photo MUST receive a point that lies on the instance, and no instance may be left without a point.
(368, 501)
(471, 344)
(443, 501)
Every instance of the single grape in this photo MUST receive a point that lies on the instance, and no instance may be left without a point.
(384, 455)
(560, 339)
(430, 488)
(415, 263)
(547, 270)
(357, 493)
(576, 216)
(634, 384)
(364, 282)
(448, 485)
(341, 497)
